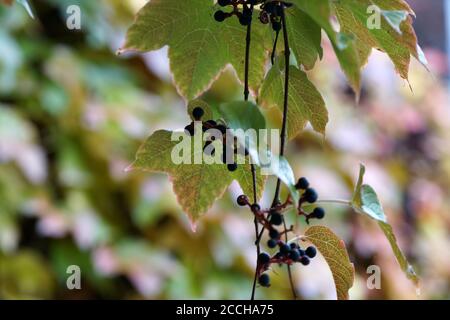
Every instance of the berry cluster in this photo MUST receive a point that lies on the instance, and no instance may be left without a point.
(289, 252)
(271, 11)
(309, 195)
(230, 145)
(244, 16)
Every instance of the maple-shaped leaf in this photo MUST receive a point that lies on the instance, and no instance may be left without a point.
(394, 33)
(305, 37)
(305, 102)
(196, 186)
(357, 36)
(199, 47)
(199, 177)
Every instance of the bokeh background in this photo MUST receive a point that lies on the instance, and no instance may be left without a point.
(73, 114)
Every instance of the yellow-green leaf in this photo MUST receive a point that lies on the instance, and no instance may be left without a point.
(395, 36)
(305, 102)
(304, 37)
(344, 45)
(333, 250)
(199, 46)
(196, 186)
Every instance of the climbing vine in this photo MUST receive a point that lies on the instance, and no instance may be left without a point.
(204, 37)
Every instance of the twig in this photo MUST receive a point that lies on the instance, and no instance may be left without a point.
(274, 50)
(287, 54)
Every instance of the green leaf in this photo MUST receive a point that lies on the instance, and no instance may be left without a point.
(354, 41)
(404, 264)
(333, 250)
(304, 37)
(199, 47)
(246, 115)
(282, 169)
(370, 204)
(396, 35)
(197, 186)
(305, 102)
(365, 201)
(242, 115)
(343, 44)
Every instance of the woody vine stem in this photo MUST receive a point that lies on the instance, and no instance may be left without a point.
(276, 200)
(289, 252)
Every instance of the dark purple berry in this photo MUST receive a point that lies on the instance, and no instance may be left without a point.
(263, 258)
(255, 207)
(311, 252)
(272, 243)
(198, 113)
(220, 16)
(318, 213)
(274, 234)
(242, 200)
(232, 167)
(302, 183)
(224, 3)
(285, 248)
(276, 218)
(293, 245)
(278, 255)
(304, 260)
(264, 280)
(310, 195)
(264, 17)
(294, 255)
